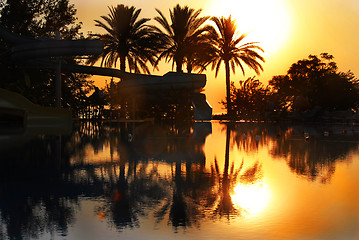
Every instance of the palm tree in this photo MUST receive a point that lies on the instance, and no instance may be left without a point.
(228, 50)
(180, 36)
(127, 39)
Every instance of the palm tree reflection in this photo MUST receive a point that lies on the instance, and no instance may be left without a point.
(223, 206)
(190, 194)
(161, 174)
(178, 212)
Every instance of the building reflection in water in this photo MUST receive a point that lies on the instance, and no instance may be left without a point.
(135, 171)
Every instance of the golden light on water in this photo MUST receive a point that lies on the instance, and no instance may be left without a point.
(251, 198)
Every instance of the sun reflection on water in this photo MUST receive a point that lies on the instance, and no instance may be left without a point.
(251, 198)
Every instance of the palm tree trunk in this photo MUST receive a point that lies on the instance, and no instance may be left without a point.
(228, 89)
(123, 102)
(122, 63)
(189, 63)
(189, 67)
(179, 62)
(179, 66)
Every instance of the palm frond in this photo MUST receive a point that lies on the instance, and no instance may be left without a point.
(164, 23)
(128, 40)
(180, 35)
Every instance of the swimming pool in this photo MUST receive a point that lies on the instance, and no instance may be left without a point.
(188, 180)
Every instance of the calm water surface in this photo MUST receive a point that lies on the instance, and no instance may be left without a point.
(181, 181)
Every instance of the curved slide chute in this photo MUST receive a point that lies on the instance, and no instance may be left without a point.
(41, 53)
(54, 48)
(18, 111)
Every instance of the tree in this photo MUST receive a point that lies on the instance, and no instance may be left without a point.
(250, 99)
(127, 39)
(316, 83)
(227, 50)
(182, 37)
(41, 19)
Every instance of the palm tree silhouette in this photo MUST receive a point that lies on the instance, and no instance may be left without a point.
(181, 36)
(227, 50)
(127, 39)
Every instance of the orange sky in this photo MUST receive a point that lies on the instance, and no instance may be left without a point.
(288, 30)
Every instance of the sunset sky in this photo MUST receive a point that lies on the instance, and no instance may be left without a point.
(288, 30)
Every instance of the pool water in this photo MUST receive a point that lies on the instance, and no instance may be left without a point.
(207, 180)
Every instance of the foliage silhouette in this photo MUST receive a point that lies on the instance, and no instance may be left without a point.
(224, 38)
(249, 99)
(315, 83)
(181, 37)
(41, 19)
(127, 39)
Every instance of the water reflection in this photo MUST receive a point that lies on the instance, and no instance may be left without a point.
(252, 198)
(231, 178)
(312, 151)
(131, 172)
(34, 197)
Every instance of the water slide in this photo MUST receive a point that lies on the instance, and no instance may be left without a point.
(18, 112)
(171, 80)
(40, 53)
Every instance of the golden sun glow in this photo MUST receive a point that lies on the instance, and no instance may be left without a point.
(252, 198)
(265, 21)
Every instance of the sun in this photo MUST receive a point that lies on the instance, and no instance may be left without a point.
(265, 21)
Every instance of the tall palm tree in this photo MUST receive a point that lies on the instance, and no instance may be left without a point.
(180, 36)
(228, 50)
(127, 40)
